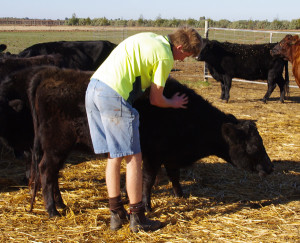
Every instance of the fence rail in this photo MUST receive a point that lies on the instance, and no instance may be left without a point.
(31, 22)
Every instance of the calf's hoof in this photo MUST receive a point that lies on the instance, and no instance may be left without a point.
(148, 207)
(61, 205)
(53, 213)
(264, 101)
(178, 194)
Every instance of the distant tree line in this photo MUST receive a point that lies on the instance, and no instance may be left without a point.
(276, 24)
(31, 22)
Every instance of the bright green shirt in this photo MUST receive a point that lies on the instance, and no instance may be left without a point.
(135, 63)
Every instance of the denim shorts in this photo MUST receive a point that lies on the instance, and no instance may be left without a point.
(113, 122)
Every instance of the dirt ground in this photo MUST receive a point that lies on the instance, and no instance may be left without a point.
(222, 204)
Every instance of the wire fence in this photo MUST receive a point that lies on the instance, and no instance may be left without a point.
(116, 35)
(247, 36)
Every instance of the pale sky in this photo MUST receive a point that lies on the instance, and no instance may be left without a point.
(232, 10)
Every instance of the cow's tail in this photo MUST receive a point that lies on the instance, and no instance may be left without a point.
(287, 79)
(37, 152)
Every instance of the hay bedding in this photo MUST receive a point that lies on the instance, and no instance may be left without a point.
(222, 203)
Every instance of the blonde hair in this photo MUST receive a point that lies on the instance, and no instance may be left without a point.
(189, 38)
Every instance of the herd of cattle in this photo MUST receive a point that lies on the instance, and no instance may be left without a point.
(42, 111)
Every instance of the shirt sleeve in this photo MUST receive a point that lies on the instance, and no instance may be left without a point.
(161, 71)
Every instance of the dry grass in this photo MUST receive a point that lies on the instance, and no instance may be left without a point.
(222, 204)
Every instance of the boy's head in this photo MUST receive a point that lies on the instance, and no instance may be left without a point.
(188, 38)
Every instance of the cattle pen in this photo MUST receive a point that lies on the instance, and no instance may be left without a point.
(221, 203)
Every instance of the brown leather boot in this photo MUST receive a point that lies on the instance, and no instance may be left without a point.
(138, 221)
(118, 214)
(117, 219)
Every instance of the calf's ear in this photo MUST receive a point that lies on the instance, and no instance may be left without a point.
(292, 39)
(251, 148)
(2, 47)
(16, 104)
(230, 133)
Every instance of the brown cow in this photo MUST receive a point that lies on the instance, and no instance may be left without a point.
(289, 48)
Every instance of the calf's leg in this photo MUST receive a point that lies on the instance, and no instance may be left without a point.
(57, 196)
(150, 170)
(227, 86)
(174, 176)
(282, 90)
(271, 87)
(222, 90)
(49, 175)
(275, 77)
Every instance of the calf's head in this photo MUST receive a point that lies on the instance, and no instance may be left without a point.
(203, 52)
(8, 110)
(246, 149)
(283, 48)
(15, 124)
(2, 47)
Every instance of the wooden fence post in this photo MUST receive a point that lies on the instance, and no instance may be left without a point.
(205, 71)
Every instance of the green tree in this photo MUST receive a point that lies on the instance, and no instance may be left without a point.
(276, 24)
(223, 23)
(191, 22)
(294, 24)
(103, 21)
(140, 21)
(88, 21)
(174, 22)
(159, 21)
(74, 20)
(265, 24)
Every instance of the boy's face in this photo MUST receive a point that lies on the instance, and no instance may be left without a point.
(179, 54)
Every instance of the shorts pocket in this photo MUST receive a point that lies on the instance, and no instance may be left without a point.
(110, 106)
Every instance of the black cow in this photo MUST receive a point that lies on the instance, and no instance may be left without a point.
(16, 126)
(12, 114)
(175, 137)
(82, 55)
(2, 47)
(86, 55)
(9, 65)
(179, 137)
(226, 61)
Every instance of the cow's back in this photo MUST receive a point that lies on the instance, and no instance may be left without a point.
(9, 65)
(251, 62)
(83, 55)
(46, 49)
(163, 131)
